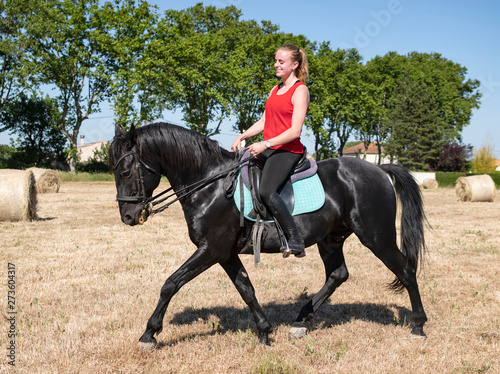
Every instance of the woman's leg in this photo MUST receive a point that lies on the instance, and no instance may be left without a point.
(277, 170)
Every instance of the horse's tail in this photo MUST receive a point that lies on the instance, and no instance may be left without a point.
(412, 216)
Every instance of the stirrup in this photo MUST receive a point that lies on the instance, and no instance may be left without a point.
(299, 254)
(287, 251)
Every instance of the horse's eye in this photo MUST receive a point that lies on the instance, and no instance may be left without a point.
(125, 174)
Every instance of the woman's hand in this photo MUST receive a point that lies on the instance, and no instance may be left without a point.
(257, 148)
(236, 146)
(255, 129)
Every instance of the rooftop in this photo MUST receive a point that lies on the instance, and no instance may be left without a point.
(360, 149)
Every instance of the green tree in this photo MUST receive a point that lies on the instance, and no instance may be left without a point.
(351, 143)
(380, 76)
(336, 104)
(70, 61)
(15, 49)
(445, 85)
(367, 124)
(123, 30)
(417, 128)
(484, 159)
(7, 157)
(453, 157)
(189, 58)
(252, 74)
(454, 95)
(32, 120)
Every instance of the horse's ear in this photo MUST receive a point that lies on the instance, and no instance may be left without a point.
(119, 130)
(131, 135)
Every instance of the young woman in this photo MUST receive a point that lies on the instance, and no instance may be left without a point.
(282, 122)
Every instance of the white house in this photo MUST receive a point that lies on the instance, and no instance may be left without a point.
(371, 155)
(86, 151)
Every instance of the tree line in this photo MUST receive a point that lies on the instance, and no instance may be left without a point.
(213, 65)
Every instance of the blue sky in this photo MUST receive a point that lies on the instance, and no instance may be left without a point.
(466, 32)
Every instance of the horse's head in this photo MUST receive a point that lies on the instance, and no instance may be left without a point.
(135, 178)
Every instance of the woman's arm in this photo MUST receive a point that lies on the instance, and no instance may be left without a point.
(253, 130)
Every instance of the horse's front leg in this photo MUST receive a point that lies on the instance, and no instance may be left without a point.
(332, 255)
(236, 271)
(200, 261)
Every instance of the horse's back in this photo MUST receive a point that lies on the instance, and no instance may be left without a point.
(362, 190)
(355, 175)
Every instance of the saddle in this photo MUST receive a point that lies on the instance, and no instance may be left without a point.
(302, 193)
(251, 173)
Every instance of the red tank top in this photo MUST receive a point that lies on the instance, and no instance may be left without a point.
(279, 111)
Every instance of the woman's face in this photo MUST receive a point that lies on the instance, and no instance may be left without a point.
(283, 64)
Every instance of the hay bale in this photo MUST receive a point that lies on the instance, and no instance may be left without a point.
(475, 188)
(47, 181)
(430, 184)
(17, 195)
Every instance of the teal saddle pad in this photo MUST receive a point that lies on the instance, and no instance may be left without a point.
(308, 192)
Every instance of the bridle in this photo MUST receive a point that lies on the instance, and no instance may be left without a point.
(141, 196)
(150, 202)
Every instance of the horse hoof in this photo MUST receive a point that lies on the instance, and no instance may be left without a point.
(418, 332)
(147, 347)
(297, 332)
(264, 339)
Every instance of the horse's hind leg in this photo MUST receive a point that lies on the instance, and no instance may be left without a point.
(236, 271)
(406, 273)
(332, 255)
(200, 261)
(385, 248)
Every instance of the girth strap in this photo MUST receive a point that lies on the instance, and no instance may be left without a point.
(257, 230)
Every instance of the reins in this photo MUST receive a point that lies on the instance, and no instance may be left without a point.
(192, 188)
(151, 202)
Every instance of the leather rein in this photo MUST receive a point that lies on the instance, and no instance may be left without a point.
(151, 202)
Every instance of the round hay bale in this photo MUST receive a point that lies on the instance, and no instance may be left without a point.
(475, 188)
(47, 181)
(430, 184)
(17, 195)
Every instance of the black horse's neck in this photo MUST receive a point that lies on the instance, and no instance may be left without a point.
(182, 155)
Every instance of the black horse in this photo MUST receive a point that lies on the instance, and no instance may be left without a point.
(360, 199)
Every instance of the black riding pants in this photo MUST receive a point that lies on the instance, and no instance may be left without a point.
(278, 166)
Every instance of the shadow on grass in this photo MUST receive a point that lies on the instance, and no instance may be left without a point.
(42, 219)
(329, 315)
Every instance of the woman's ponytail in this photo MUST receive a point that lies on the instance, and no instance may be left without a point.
(298, 55)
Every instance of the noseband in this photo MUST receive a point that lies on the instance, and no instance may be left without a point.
(141, 196)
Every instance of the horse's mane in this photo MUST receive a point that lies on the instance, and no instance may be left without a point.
(179, 146)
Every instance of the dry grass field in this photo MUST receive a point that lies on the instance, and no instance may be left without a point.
(85, 285)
